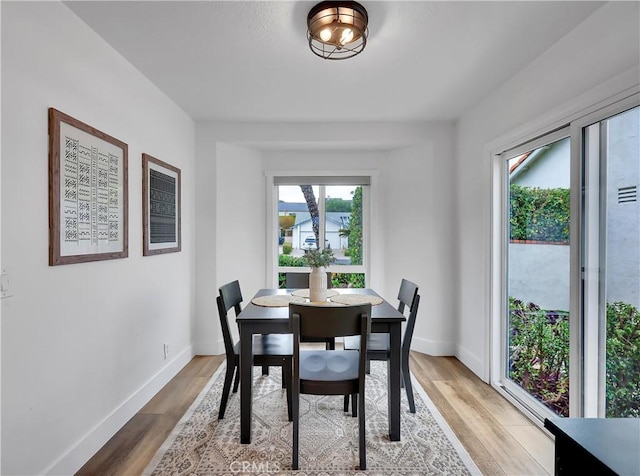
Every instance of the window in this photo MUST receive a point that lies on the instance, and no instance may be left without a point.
(322, 213)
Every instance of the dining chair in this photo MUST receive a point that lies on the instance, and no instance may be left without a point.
(329, 372)
(268, 349)
(378, 346)
(295, 280)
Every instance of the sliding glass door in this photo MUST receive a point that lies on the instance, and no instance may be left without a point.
(611, 257)
(569, 268)
(537, 255)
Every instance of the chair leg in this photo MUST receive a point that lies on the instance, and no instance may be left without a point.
(265, 370)
(346, 403)
(368, 369)
(406, 379)
(362, 434)
(287, 378)
(228, 377)
(354, 405)
(296, 425)
(236, 382)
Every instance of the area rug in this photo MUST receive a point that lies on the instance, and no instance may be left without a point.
(202, 445)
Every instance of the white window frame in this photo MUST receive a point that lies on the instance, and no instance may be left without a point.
(342, 177)
(516, 392)
(574, 115)
(590, 334)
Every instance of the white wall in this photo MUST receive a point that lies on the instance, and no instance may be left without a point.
(82, 343)
(412, 205)
(601, 53)
(539, 273)
(240, 218)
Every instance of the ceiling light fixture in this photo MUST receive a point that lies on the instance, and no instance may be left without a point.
(337, 30)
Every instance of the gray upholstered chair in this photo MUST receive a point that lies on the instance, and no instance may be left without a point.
(378, 346)
(268, 350)
(301, 281)
(329, 372)
(296, 280)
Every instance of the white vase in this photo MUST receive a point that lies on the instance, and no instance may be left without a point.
(318, 285)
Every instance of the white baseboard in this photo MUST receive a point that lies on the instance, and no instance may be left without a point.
(472, 362)
(71, 461)
(430, 347)
(444, 349)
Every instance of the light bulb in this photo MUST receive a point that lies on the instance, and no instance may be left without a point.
(325, 35)
(347, 36)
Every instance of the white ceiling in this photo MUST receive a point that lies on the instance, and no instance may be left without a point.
(250, 61)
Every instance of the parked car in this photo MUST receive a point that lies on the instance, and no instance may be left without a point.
(309, 243)
(281, 240)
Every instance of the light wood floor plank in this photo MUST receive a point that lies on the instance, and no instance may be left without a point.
(514, 458)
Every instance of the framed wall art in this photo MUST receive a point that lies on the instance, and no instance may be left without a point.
(88, 193)
(161, 213)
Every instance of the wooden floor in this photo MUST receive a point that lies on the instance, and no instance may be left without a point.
(499, 439)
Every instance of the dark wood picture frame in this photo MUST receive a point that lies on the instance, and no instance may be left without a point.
(161, 207)
(88, 193)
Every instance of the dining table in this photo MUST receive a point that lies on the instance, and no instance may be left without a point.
(273, 318)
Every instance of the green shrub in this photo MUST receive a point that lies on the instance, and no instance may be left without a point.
(288, 260)
(347, 280)
(539, 356)
(287, 248)
(539, 353)
(623, 361)
(539, 214)
(354, 230)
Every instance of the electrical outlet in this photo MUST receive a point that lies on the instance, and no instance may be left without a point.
(4, 285)
(166, 351)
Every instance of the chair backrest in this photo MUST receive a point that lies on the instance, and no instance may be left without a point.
(297, 280)
(330, 321)
(301, 280)
(230, 297)
(309, 321)
(408, 297)
(407, 294)
(411, 323)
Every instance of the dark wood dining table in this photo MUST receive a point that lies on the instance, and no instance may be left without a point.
(254, 319)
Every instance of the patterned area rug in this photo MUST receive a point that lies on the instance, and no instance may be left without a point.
(202, 445)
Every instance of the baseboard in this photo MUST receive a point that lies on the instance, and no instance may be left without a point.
(86, 447)
(443, 349)
(472, 362)
(430, 347)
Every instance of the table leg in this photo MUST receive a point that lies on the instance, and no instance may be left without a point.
(246, 381)
(394, 379)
